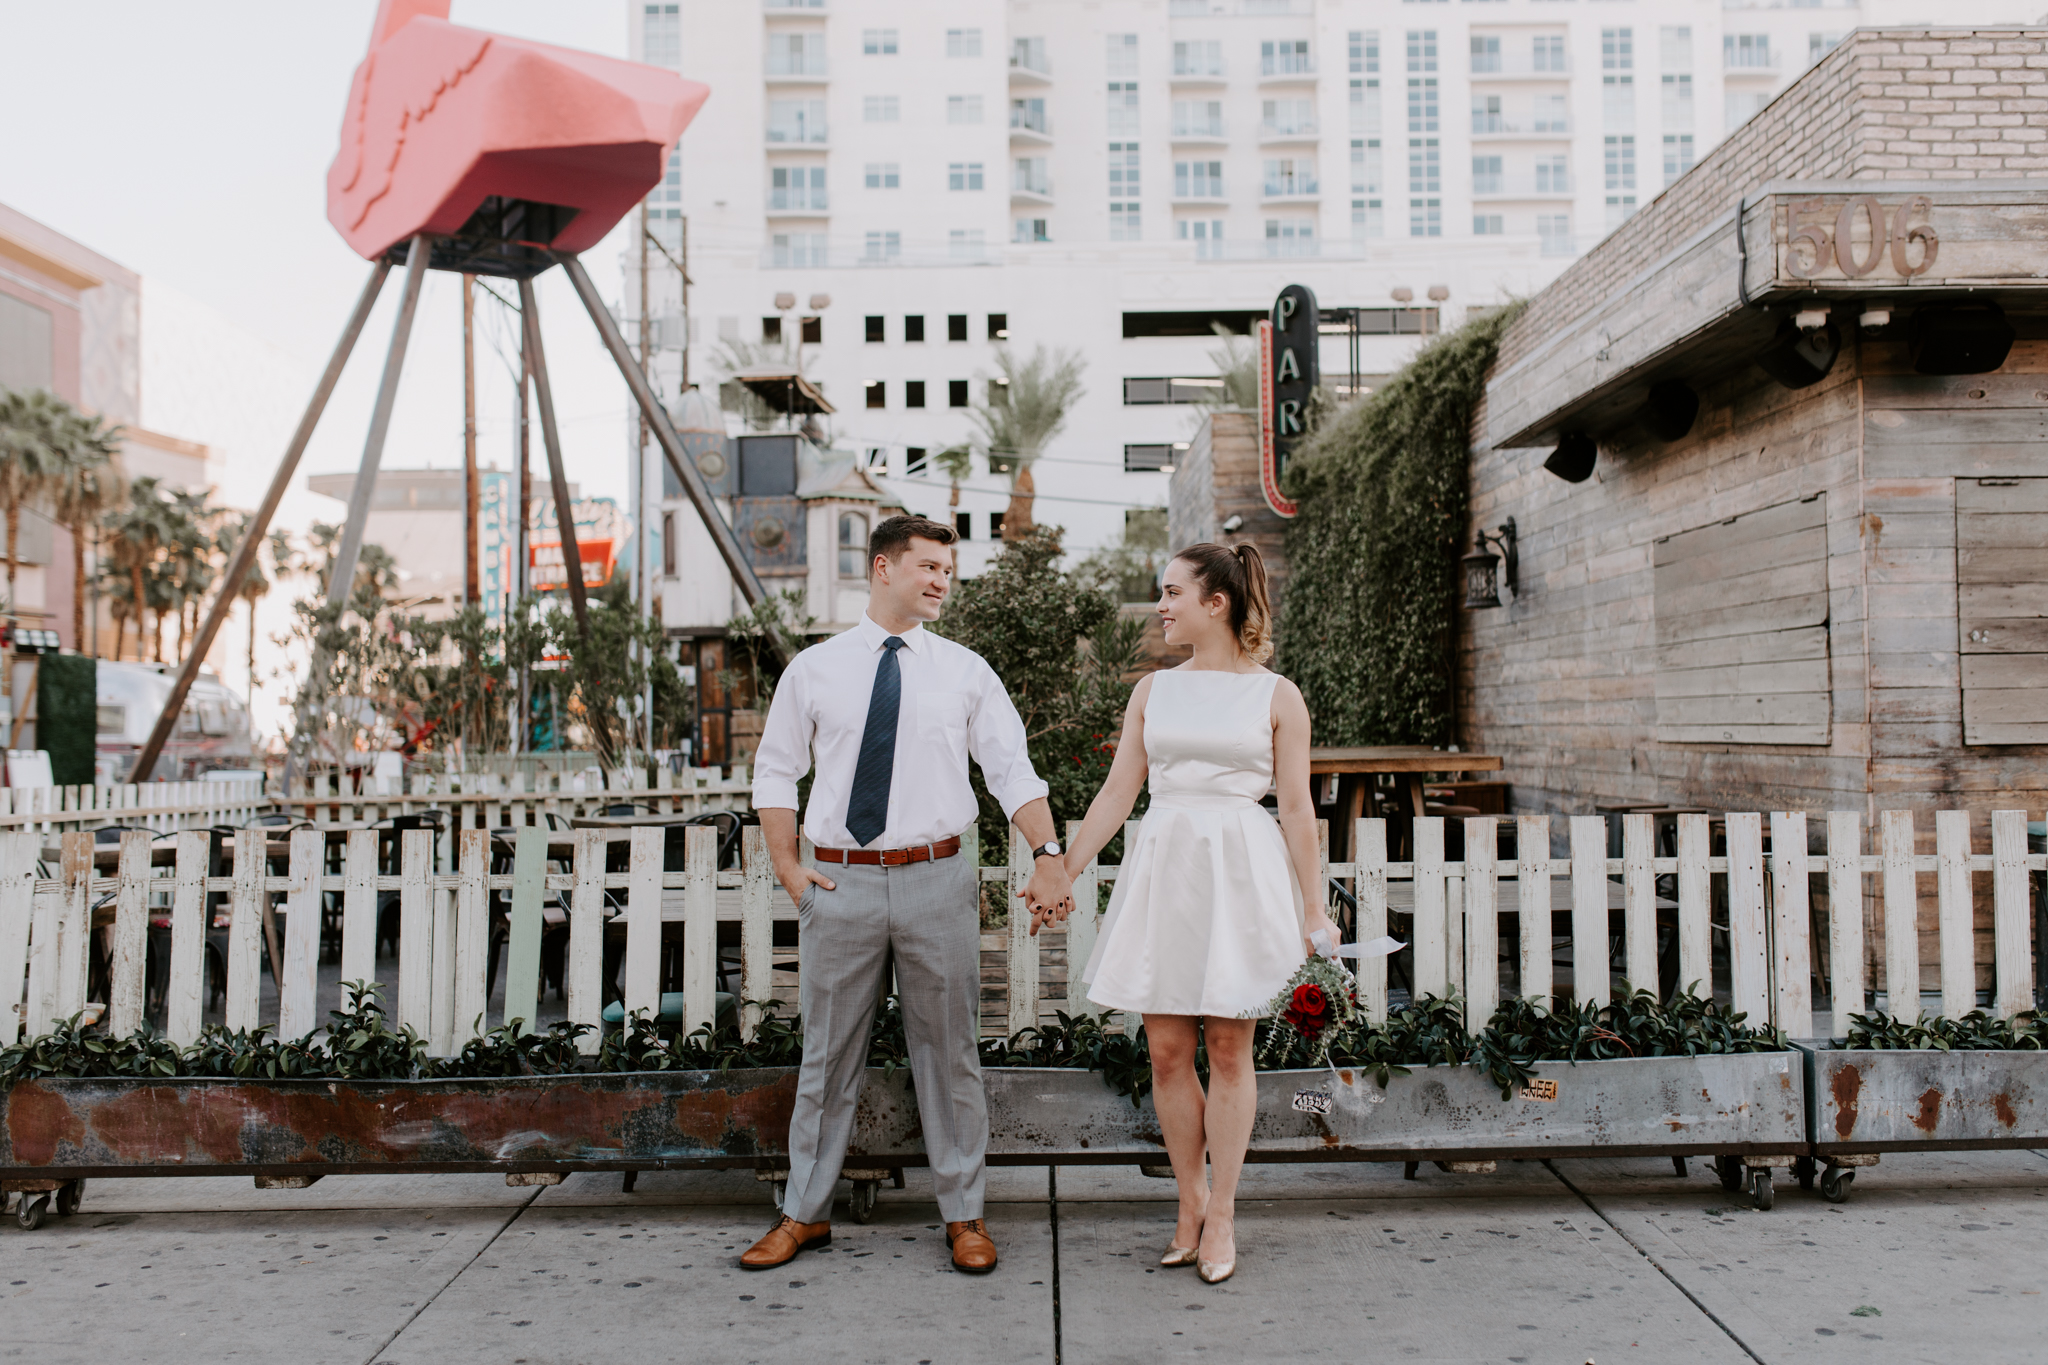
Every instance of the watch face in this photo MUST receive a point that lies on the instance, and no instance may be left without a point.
(1053, 848)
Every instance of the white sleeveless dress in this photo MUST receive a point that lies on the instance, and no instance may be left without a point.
(1206, 917)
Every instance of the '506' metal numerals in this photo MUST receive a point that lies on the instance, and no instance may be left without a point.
(1839, 248)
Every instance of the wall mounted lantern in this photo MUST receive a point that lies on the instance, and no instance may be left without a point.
(1486, 572)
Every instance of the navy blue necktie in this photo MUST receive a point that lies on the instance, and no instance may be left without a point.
(868, 809)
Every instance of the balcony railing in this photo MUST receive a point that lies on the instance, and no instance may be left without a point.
(1288, 186)
(1744, 57)
(1030, 56)
(1496, 123)
(1031, 121)
(1031, 178)
(1200, 67)
(805, 63)
(797, 199)
(802, 131)
(1518, 66)
(1287, 64)
(1288, 127)
(1212, 127)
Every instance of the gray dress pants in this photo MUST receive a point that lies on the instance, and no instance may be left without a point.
(927, 915)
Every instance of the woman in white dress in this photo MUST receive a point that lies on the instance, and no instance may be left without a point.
(1209, 919)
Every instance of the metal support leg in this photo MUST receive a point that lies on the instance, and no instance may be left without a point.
(252, 536)
(565, 513)
(684, 468)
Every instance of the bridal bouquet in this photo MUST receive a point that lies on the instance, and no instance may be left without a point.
(1318, 1001)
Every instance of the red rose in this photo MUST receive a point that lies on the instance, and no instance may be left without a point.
(1308, 1010)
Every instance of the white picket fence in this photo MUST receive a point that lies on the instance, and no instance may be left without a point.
(487, 800)
(1454, 928)
(160, 806)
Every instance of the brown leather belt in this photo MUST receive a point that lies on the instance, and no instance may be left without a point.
(891, 857)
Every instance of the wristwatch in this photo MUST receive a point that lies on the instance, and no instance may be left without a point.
(1047, 850)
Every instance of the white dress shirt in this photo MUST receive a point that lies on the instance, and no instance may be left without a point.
(953, 706)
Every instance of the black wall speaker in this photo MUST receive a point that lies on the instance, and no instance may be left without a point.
(1797, 359)
(1967, 338)
(1670, 410)
(1573, 459)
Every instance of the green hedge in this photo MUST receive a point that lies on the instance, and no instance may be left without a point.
(1369, 613)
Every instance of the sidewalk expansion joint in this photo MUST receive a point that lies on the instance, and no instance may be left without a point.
(1052, 1199)
(1655, 1264)
(428, 1302)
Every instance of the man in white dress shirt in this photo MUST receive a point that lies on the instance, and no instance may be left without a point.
(891, 713)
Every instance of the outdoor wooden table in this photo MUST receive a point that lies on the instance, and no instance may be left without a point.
(1408, 761)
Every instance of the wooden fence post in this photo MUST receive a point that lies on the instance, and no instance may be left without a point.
(416, 931)
(1482, 921)
(1695, 907)
(1589, 909)
(700, 927)
(1432, 942)
(131, 936)
(1369, 885)
(1639, 896)
(1023, 964)
(472, 933)
(1791, 914)
(2012, 952)
(297, 1001)
(1845, 916)
(758, 888)
(18, 853)
(1081, 930)
(1954, 905)
(522, 947)
(584, 981)
(1532, 887)
(643, 924)
(1901, 916)
(1748, 962)
(245, 928)
(359, 909)
(184, 991)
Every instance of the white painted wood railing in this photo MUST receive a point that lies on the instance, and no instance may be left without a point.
(499, 800)
(1452, 921)
(161, 806)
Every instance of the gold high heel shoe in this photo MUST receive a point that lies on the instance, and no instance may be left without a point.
(1213, 1272)
(1179, 1256)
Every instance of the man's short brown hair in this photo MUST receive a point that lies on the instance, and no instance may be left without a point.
(893, 535)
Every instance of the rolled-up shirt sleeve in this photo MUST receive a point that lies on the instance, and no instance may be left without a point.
(784, 755)
(995, 737)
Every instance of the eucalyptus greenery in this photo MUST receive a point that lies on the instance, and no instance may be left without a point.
(1974, 1032)
(1368, 614)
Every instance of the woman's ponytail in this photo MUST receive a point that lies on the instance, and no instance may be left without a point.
(1239, 573)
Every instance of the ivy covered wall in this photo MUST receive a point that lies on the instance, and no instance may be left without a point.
(1369, 616)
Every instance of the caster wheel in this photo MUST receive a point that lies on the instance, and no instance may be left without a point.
(1803, 1170)
(1760, 1188)
(67, 1199)
(1835, 1182)
(1729, 1168)
(863, 1203)
(32, 1212)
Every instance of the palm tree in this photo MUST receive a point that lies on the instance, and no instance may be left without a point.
(957, 461)
(1237, 365)
(32, 460)
(136, 533)
(88, 489)
(188, 569)
(1025, 409)
(284, 560)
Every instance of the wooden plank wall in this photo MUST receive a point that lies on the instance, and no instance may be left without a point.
(2002, 608)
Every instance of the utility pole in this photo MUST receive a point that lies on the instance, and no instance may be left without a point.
(472, 486)
(522, 577)
(641, 584)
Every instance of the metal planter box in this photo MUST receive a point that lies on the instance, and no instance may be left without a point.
(1748, 1105)
(1902, 1101)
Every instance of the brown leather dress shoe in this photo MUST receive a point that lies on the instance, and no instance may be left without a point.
(973, 1251)
(786, 1239)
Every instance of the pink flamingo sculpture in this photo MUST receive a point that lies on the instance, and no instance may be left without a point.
(489, 155)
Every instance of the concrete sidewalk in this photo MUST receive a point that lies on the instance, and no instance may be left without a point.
(1596, 1260)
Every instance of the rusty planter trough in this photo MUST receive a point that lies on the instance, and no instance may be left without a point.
(1903, 1101)
(1750, 1105)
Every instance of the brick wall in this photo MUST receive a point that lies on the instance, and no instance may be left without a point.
(1887, 104)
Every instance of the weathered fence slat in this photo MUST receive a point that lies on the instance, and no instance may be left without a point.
(585, 973)
(2012, 951)
(522, 946)
(1022, 964)
(643, 923)
(1791, 965)
(1431, 963)
(1369, 885)
(127, 973)
(472, 933)
(185, 984)
(1589, 909)
(1532, 884)
(1639, 895)
(1845, 915)
(700, 927)
(17, 912)
(416, 931)
(1482, 921)
(1953, 905)
(298, 1010)
(1081, 930)
(1749, 966)
(245, 929)
(1901, 916)
(758, 889)
(359, 907)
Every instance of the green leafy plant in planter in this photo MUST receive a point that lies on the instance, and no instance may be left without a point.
(1974, 1032)
(509, 1050)
(362, 1045)
(70, 1049)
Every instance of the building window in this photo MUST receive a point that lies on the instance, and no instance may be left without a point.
(811, 331)
(1619, 207)
(1746, 51)
(1027, 230)
(1422, 105)
(878, 42)
(956, 326)
(1554, 231)
(853, 545)
(1547, 114)
(790, 249)
(1289, 175)
(877, 328)
(1618, 103)
(1198, 118)
(796, 121)
(1486, 177)
(1422, 49)
(1367, 170)
(1028, 175)
(965, 244)
(913, 393)
(1674, 46)
(913, 327)
(879, 109)
(1205, 233)
(877, 394)
(1617, 49)
(1819, 45)
(1290, 237)
(1621, 163)
(963, 175)
(1365, 106)
(1028, 54)
(1486, 225)
(963, 42)
(1425, 218)
(1551, 175)
(1485, 54)
(1739, 106)
(1486, 114)
(1198, 179)
(1678, 102)
(883, 175)
(1029, 114)
(1425, 172)
(963, 108)
(1147, 459)
(916, 460)
(668, 544)
(963, 525)
(1364, 47)
(998, 326)
(956, 393)
(1287, 117)
(771, 331)
(1546, 52)
(1121, 54)
(995, 526)
(1124, 222)
(880, 248)
(799, 188)
(661, 36)
(1368, 219)
(1288, 57)
(796, 54)
(1123, 108)
(1677, 155)
(1198, 59)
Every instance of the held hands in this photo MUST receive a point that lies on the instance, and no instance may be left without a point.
(1049, 894)
(796, 878)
